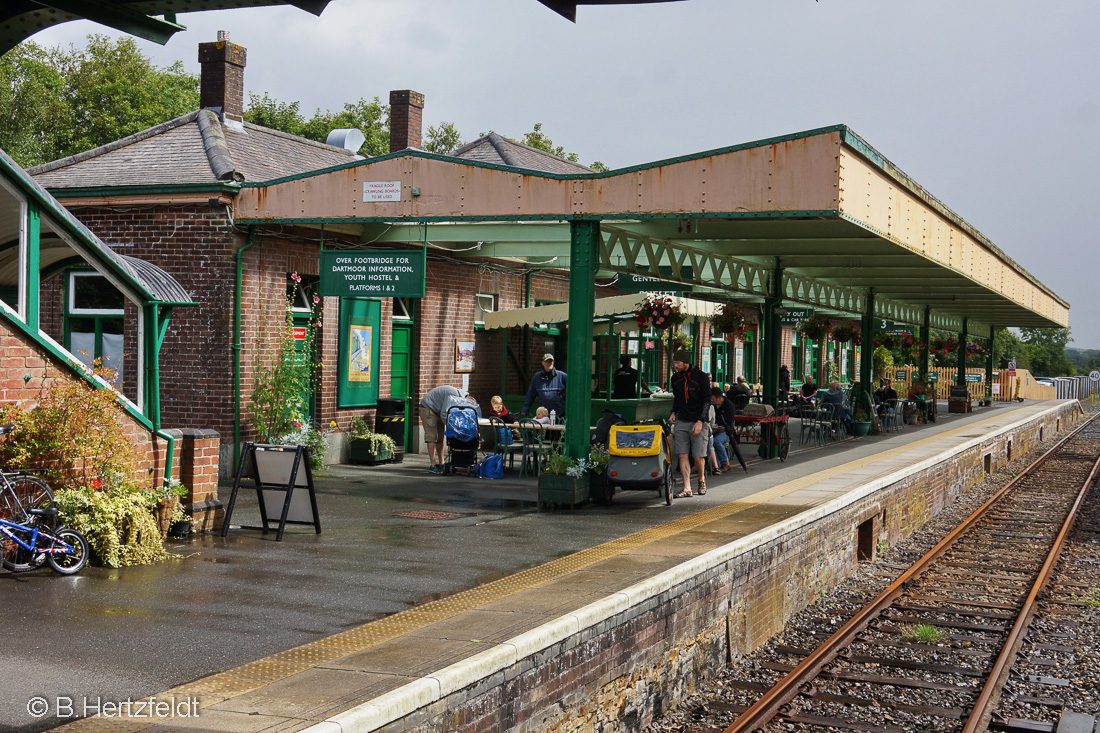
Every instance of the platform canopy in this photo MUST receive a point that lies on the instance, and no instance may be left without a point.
(823, 209)
(617, 308)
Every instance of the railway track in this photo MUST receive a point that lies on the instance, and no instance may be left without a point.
(933, 651)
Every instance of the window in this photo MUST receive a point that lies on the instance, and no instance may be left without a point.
(483, 303)
(402, 310)
(302, 292)
(94, 322)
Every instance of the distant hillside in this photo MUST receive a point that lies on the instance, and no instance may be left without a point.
(1083, 360)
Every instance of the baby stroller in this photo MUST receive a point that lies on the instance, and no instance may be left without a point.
(462, 441)
(640, 459)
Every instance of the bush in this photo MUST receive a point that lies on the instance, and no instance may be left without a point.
(117, 521)
(75, 434)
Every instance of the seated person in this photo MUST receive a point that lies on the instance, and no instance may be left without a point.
(722, 437)
(739, 388)
(807, 394)
(497, 409)
(835, 396)
(542, 416)
(883, 395)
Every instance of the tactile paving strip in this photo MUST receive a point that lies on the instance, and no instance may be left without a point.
(224, 685)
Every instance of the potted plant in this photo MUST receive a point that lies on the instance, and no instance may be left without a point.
(598, 458)
(166, 506)
(861, 423)
(816, 328)
(658, 311)
(564, 480)
(846, 332)
(731, 321)
(366, 446)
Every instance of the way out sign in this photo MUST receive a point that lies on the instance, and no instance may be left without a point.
(373, 273)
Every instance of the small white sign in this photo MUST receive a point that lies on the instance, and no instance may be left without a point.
(1094, 375)
(996, 388)
(382, 191)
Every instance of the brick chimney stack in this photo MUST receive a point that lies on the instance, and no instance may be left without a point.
(222, 77)
(406, 113)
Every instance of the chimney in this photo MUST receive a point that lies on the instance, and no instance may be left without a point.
(222, 77)
(406, 111)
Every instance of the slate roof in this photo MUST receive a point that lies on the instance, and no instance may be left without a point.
(498, 150)
(196, 148)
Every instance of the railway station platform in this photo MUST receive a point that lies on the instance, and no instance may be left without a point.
(500, 617)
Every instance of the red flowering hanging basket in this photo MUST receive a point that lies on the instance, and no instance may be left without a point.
(816, 328)
(731, 321)
(845, 333)
(658, 311)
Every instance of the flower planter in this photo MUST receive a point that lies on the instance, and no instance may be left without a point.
(555, 489)
(861, 428)
(179, 530)
(163, 514)
(361, 451)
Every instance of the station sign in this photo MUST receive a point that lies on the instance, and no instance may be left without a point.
(645, 284)
(373, 273)
(894, 329)
(975, 378)
(795, 316)
(901, 375)
(933, 377)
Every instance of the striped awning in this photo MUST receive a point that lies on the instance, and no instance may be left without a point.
(616, 305)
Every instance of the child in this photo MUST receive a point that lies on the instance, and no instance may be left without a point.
(542, 415)
(497, 409)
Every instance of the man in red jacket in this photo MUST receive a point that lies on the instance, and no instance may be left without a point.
(689, 418)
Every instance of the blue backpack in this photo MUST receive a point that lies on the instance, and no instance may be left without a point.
(491, 466)
(462, 424)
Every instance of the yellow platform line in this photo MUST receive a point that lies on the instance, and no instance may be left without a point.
(221, 686)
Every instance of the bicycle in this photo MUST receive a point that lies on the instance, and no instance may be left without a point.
(27, 518)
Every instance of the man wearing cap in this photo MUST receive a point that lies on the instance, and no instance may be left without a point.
(548, 386)
(689, 418)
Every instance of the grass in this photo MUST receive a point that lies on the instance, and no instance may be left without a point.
(922, 633)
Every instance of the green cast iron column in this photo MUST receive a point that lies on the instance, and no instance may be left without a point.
(925, 337)
(771, 335)
(584, 259)
(989, 364)
(960, 378)
(867, 350)
(32, 275)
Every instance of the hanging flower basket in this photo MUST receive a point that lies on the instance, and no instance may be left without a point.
(943, 346)
(845, 332)
(886, 340)
(731, 321)
(977, 349)
(658, 311)
(816, 328)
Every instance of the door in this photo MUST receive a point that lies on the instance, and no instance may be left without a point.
(303, 325)
(401, 362)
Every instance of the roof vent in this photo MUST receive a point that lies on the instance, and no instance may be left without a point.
(349, 139)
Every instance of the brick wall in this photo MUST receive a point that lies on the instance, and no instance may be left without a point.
(25, 371)
(621, 670)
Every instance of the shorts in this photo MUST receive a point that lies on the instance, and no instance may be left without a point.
(683, 441)
(433, 426)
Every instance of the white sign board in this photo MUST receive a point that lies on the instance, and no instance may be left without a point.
(1094, 375)
(996, 388)
(382, 191)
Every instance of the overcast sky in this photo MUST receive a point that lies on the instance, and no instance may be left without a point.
(992, 105)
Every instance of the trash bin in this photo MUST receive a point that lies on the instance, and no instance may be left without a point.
(390, 420)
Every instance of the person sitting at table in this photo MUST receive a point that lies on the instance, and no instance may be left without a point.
(883, 395)
(542, 416)
(625, 381)
(725, 421)
(807, 394)
(835, 396)
(497, 409)
(740, 388)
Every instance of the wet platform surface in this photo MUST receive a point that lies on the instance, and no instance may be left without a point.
(279, 635)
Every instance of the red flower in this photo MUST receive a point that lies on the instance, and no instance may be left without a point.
(95, 483)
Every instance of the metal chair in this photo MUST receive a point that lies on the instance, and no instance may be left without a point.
(892, 416)
(503, 442)
(535, 448)
(812, 425)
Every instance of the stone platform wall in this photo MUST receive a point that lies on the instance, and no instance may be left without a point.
(617, 664)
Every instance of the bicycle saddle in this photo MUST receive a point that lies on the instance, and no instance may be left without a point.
(50, 511)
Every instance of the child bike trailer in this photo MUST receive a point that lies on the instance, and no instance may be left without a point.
(639, 459)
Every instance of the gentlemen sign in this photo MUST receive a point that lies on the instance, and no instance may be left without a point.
(378, 273)
(643, 284)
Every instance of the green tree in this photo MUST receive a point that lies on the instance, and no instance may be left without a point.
(56, 102)
(536, 139)
(443, 139)
(1047, 349)
(369, 116)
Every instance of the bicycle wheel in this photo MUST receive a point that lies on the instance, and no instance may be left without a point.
(69, 563)
(17, 559)
(784, 443)
(25, 493)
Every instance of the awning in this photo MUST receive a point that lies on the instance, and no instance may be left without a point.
(616, 305)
